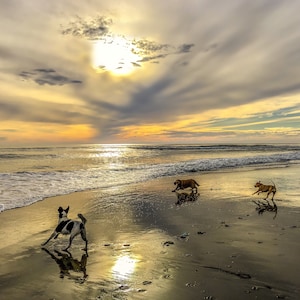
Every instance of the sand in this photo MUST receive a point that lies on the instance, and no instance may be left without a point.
(143, 246)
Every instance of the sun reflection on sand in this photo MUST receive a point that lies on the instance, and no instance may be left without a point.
(124, 267)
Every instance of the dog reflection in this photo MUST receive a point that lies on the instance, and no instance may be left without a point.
(67, 263)
(185, 197)
(266, 206)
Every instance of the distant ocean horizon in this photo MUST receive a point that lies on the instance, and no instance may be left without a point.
(31, 174)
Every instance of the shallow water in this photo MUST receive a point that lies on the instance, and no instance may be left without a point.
(31, 174)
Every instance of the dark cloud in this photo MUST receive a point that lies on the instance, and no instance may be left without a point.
(147, 47)
(153, 58)
(45, 70)
(136, 64)
(91, 29)
(185, 48)
(47, 76)
(153, 51)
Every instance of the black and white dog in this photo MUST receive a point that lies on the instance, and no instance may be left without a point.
(67, 226)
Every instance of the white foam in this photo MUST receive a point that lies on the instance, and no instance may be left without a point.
(23, 188)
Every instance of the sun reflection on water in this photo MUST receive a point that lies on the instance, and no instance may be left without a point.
(124, 267)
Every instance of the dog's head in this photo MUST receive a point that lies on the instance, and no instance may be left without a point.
(63, 212)
(258, 184)
(177, 182)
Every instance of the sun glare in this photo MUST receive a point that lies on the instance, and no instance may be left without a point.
(124, 267)
(116, 55)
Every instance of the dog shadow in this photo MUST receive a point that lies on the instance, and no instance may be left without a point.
(69, 266)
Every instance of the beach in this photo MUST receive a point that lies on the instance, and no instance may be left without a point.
(143, 246)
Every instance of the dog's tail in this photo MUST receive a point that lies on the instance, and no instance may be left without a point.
(274, 184)
(196, 183)
(83, 219)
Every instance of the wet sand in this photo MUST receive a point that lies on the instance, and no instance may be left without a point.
(143, 246)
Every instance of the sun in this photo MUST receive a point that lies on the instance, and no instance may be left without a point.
(116, 55)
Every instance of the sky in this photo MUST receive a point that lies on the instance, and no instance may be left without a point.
(139, 71)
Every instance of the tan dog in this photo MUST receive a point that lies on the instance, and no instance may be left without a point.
(183, 184)
(262, 188)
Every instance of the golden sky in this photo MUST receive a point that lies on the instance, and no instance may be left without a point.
(140, 71)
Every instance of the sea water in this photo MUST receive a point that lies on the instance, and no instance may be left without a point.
(31, 174)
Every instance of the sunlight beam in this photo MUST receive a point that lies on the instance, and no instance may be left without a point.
(116, 55)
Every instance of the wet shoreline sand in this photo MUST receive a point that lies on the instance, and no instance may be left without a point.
(143, 246)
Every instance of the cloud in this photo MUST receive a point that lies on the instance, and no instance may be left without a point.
(100, 28)
(3, 138)
(47, 76)
(213, 62)
(146, 47)
(92, 29)
(185, 48)
(33, 111)
(136, 64)
(151, 51)
(223, 68)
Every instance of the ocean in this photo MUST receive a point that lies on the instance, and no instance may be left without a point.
(31, 174)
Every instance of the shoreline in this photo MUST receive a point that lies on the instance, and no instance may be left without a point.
(143, 246)
(248, 168)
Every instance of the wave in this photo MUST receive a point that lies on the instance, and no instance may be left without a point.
(221, 147)
(224, 163)
(24, 188)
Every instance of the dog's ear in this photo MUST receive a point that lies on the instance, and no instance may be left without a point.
(67, 209)
(60, 209)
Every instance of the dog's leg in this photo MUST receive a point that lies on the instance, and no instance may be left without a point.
(53, 235)
(269, 192)
(72, 236)
(83, 236)
(70, 242)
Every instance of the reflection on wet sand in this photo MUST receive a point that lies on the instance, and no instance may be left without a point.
(67, 263)
(124, 267)
(262, 207)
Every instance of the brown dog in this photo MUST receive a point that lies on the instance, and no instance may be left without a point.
(183, 184)
(262, 188)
